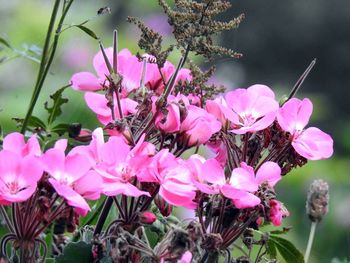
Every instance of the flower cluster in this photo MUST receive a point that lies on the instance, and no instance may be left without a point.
(254, 142)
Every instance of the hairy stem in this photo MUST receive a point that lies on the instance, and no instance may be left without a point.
(311, 240)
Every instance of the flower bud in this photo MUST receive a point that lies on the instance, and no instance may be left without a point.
(317, 200)
(164, 207)
(147, 218)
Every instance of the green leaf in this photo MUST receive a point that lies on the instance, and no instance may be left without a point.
(78, 252)
(58, 100)
(88, 31)
(287, 250)
(50, 260)
(33, 122)
(271, 249)
(284, 230)
(336, 260)
(5, 42)
(60, 129)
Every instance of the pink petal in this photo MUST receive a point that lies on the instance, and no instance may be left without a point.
(77, 165)
(241, 179)
(9, 165)
(100, 64)
(89, 185)
(53, 161)
(20, 196)
(262, 90)
(269, 172)
(14, 142)
(294, 115)
(177, 194)
(109, 153)
(213, 172)
(186, 257)
(241, 199)
(85, 81)
(61, 144)
(97, 103)
(314, 144)
(113, 189)
(73, 198)
(31, 169)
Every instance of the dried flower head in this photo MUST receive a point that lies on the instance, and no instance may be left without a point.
(317, 200)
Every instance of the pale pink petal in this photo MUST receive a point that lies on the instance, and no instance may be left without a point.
(89, 186)
(262, 90)
(314, 144)
(77, 165)
(20, 196)
(241, 179)
(97, 103)
(213, 172)
(85, 81)
(9, 165)
(32, 147)
(100, 64)
(186, 257)
(14, 142)
(31, 169)
(294, 115)
(61, 144)
(73, 198)
(269, 172)
(115, 150)
(53, 161)
(241, 199)
(177, 194)
(113, 189)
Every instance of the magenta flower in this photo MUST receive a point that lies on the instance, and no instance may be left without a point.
(98, 104)
(128, 66)
(18, 177)
(14, 142)
(277, 212)
(117, 168)
(199, 125)
(174, 178)
(311, 143)
(156, 82)
(250, 110)
(242, 184)
(71, 179)
(168, 121)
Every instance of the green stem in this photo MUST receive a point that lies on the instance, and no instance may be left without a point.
(311, 240)
(45, 64)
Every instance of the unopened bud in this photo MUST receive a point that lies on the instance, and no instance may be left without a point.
(317, 200)
(147, 218)
(164, 207)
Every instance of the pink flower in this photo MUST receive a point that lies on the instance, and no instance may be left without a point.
(118, 169)
(14, 142)
(18, 177)
(71, 179)
(174, 178)
(249, 110)
(242, 184)
(156, 82)
(311, 143)
(277, 212)
(199, 125)
(98, 104)
(129, 67)
(168, 121)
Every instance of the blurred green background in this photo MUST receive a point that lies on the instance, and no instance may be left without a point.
(278, 40)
